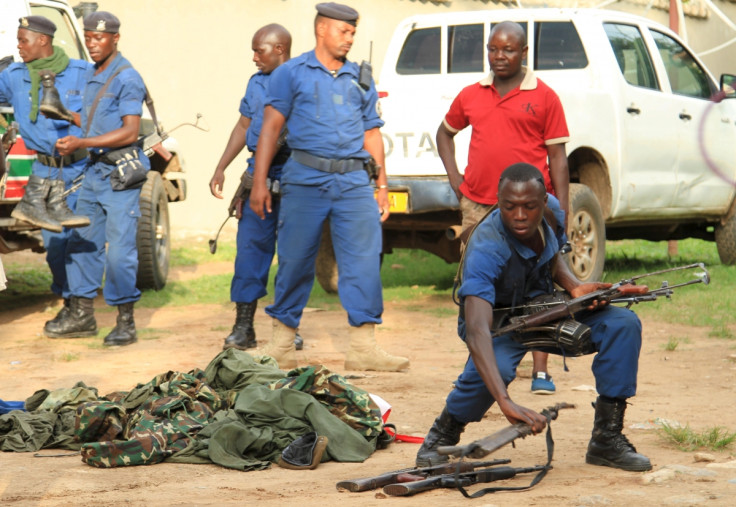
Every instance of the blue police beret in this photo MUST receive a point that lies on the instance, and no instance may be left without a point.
(38, 24)
(338, 11)
(101, 21)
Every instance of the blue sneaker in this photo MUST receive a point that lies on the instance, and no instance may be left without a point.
(542, 383)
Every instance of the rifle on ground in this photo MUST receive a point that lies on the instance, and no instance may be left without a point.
(414, 474)
(491, 443)
(458, 481)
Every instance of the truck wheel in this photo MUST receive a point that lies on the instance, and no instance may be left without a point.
(152, 239)
(586, 231)
(726, 241)
(326, 268)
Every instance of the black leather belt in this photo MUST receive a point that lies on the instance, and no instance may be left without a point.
(66, 160)
(328, 165)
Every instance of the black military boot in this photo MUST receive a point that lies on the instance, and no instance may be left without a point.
(58, 209)
(32, 208)
(608, 446)
(124, 332)
(51, 105)
(78, 322)
(62, 313)
(243, 335)
(445, 431)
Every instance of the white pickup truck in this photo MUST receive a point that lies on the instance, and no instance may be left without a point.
(650, 155)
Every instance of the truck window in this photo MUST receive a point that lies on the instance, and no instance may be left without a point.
(465, 48)
(685, 75)
(632, 55)
(65, 36)
(421, 52)
(558, 46)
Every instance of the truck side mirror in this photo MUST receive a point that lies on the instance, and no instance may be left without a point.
(728, 85)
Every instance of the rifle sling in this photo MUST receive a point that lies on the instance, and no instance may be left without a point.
(537, 478)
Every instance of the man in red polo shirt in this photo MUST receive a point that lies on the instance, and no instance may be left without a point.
(515, 118)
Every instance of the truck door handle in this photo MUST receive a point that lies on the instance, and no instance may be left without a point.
(685, 116)
(632, 109)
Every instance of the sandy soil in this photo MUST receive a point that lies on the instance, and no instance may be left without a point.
(691, 385)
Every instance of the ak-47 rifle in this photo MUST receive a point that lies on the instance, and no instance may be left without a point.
(414, 474)
(492, 443)
(548, 322)
(458, 481)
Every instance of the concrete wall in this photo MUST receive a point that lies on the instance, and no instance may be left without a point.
(195, 57)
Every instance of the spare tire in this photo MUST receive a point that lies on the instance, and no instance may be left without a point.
(154, 247)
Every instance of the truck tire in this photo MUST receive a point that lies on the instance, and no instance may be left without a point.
(326, 266)
(726, 241)
(586, 231)
(154, 248)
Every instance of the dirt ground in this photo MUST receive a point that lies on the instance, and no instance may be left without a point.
(690, 385)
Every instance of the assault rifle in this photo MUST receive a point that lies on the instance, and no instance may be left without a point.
(491, 443)
(626, 291)
(415, 474)
(458, 481)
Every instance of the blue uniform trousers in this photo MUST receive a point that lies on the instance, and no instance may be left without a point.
(55, 243)
(356, 236)
(256, 245)
(616, 334)
(114, 220)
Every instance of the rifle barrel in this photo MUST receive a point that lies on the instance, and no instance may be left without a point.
(370, 483)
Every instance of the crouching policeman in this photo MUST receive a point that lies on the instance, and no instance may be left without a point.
(512, 256)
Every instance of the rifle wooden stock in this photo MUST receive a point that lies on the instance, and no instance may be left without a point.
(491, 443)
(452, 481)
(369, 483)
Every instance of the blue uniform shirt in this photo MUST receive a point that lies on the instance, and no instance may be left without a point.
(41, 135)
(251, 106)
(501, 270)
(326, 116)
(123, 97)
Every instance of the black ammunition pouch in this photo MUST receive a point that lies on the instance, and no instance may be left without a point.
(569, 336)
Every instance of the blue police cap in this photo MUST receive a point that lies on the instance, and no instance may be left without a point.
(338, 11)
(37, 24)
(101, 21)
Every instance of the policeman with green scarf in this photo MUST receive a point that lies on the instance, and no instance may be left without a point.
(20, 85)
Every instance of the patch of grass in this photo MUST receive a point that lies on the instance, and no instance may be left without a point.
(671, 344)
(721, 332)
(68, 357)
(198, 252)
(686, 439)
(151, 333)
(26, 286)
(695, 305)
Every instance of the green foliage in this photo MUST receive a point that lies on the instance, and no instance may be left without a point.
(68, 357)
(197, 252)
(696, 305)
(672, 344)
(26, 285)
(686, 439)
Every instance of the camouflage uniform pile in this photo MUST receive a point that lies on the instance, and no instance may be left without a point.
(239, 413)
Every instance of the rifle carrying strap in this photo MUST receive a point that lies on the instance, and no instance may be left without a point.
(148, 100)
(537, 478)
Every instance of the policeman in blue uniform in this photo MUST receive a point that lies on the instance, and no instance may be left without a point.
(512, 256)
(256, 239)
(43, 203)
(113, 124)
(333, 130)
